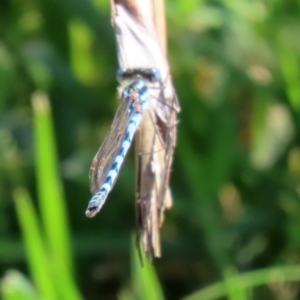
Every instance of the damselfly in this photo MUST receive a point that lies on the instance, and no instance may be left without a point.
(109, 159)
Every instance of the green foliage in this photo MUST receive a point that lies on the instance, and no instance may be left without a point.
(48, 255)
(36, 253)
(244, 282)
(144, 280)
(15, 286)
(50, 194)
(236, 174)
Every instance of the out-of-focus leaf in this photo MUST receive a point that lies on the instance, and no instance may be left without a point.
(52, 202)
(234, 290)
(145, 282)
(6, 74)
(15, 286)
(248, 280)
(275, 133)
(289, 62)
(51, 197)
(82, 60)
(125, 294)
(39, 261)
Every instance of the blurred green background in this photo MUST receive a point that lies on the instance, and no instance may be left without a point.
(236, 173)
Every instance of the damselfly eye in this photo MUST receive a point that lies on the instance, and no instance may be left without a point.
(121, 74)
(155, 75)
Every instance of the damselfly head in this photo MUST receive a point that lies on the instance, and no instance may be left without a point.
(149, 74)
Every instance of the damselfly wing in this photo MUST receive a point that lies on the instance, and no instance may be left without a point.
(108, 160)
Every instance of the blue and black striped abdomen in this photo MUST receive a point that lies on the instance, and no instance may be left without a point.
(109, 159)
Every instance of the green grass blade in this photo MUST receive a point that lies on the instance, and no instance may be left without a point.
(65, 284)
(125, 294)
(145, 282)
(288, 59)
(35, 249)
(234, 290)
(248, 280)
(15, 286)
(52, 202)
(82, 62)
(51, 197)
